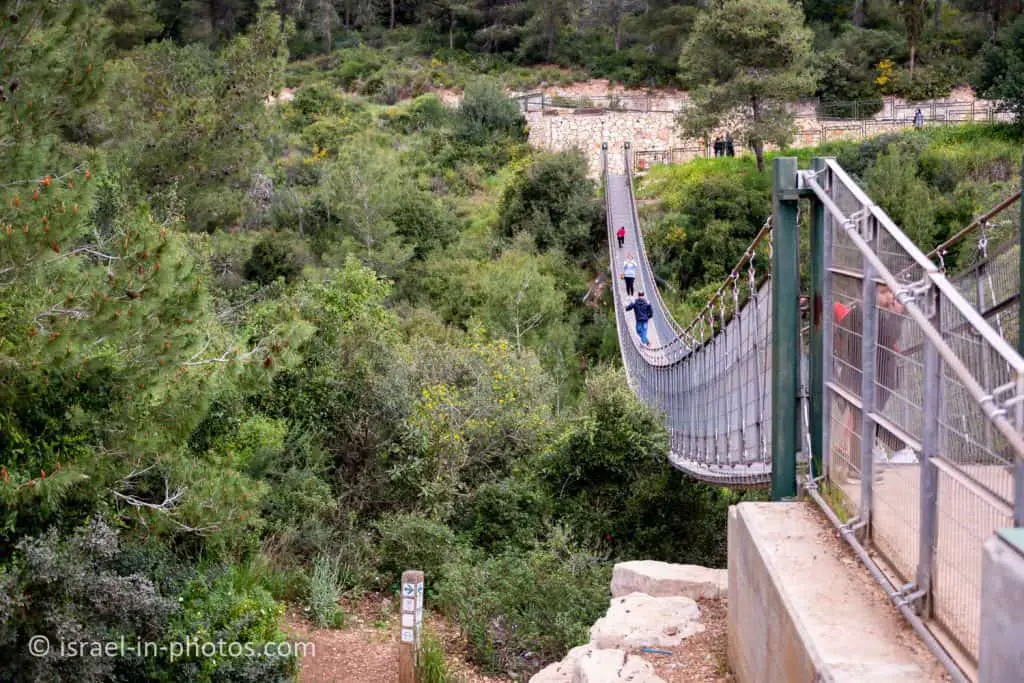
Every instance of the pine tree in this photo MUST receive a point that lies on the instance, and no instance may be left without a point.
(747, 59)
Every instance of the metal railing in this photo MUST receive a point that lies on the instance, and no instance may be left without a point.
(923, 405)
(914, 422)
(825, 131)
(887, 109)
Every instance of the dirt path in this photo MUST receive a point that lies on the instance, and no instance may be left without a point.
(365, 650)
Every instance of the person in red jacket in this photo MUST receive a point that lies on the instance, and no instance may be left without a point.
(621, 234)
(847, 365)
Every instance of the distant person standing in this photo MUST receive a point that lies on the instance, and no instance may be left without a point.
(730, 151)
(621, 235)
(918, 119)
(629, 273)
(719, 146)
(643, 311)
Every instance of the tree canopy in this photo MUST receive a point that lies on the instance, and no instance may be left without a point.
(746, 59)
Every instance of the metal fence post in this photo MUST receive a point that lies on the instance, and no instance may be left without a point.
(785, 326)
(868, 346)
(929, 472)
(1018, 466)
(817, 305)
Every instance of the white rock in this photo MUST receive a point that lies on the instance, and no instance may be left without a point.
(613, 666)
(638, 620)
(562, 672)
(664, 579)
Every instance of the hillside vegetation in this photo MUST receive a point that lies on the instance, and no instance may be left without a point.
(931, 182)
(255, 356)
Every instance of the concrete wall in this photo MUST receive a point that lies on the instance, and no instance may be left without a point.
(1001, 656)
(801, 608)
(765, 641)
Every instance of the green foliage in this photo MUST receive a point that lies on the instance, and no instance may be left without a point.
(507, 513)
(76, 585)
(431, 665)
(520, 610)
(324, 593)
(52, 54)
(480, 408)
(197, 118)
(412, 541)
(268, 261)
(553, 200)
(850, 71)
(710, 212)
(1000, 74)
(225, 605)
(748, 58)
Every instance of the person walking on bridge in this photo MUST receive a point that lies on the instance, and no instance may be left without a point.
(629, 273)
(643, 311)
(621, 235)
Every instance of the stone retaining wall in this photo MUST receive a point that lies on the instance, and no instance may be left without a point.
(562, 129)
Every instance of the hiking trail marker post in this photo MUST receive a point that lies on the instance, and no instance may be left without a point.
(411, 625)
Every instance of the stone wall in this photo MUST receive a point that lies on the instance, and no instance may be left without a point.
(655, 139)
(559, 130)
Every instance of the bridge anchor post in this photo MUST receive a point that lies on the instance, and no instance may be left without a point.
(785, 327)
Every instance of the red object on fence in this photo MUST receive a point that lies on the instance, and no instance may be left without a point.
(640, 164)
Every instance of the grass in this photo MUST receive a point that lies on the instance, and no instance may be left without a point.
(836, 500)
(431, 666)
(325, 590)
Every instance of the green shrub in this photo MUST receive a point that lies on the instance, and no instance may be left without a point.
(324, 592)
(269, 261)
(82, 585)
(511, 512)
(486, 112)
(223, 604)
(431, 667)
(411, 541)
(520, 611)
(553, 200)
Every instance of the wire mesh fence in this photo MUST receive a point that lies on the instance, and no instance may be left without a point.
(923, 425)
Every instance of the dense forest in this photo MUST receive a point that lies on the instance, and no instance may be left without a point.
(261, 355)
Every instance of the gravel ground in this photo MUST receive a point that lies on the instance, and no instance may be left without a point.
(701, 658)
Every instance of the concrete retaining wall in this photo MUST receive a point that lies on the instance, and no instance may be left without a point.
(765, 641)
(802, 608)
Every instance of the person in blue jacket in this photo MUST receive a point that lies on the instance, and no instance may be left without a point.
(643, 311)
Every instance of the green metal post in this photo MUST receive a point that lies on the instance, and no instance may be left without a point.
(817, 331)
(785, 326)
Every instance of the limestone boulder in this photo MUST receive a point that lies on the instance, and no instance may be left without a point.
(662, 579)
(563, 671)
(613, 666)
(639, 620)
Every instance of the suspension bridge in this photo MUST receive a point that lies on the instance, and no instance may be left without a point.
(894, 400)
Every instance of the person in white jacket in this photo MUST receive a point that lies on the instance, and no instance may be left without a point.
(629, 273)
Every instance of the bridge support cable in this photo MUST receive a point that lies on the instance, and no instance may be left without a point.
(921, 401)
